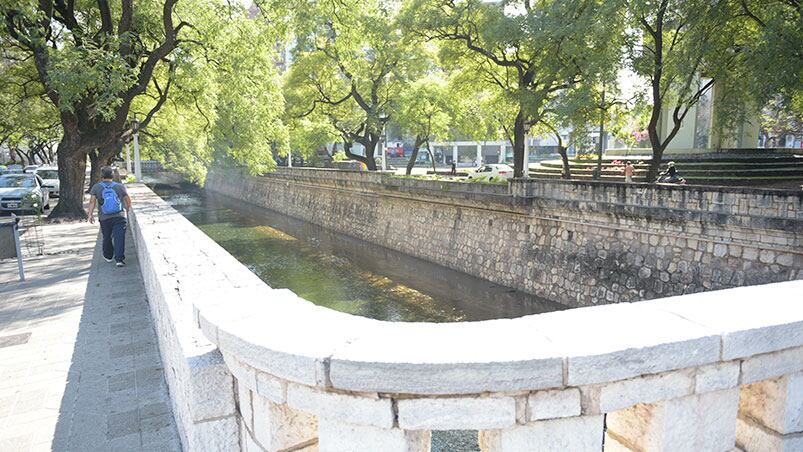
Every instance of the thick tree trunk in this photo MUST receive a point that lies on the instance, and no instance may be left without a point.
(519, 136)
(72, 174)
(100, 158)
(94, 169)
(411, 163)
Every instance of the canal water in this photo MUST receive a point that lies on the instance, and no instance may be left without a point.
(343, 273)
(349, 275)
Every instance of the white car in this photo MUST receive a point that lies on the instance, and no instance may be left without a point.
(492, 170)
(50, 179)
(30, 169)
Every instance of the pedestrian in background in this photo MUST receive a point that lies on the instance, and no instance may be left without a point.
(629, 171)
(114, 206)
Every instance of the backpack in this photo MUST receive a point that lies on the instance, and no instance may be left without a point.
(111, 202)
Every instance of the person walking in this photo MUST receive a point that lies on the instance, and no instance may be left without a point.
(629, 171)
(112, 199)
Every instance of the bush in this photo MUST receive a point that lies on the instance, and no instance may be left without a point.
(339, 156)
(588, 156)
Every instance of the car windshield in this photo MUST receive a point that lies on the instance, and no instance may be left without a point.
(17, 182)
(48, 174)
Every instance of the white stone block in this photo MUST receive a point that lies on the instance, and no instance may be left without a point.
(576, 434)
(245, 374)
(247, 442)
(716, 377)
(334, 436)
(652, 388)
(772, 365)
(218, 435)
(211, 387)
(246, 406)
(752, 437)
(704, 422)
(279, 426)
(760, 319)
(359, 410)
(777, 403)
(448, 359)
(553, 404)
(464, 413)
(612, 444)
(272, 388)
(639, 361)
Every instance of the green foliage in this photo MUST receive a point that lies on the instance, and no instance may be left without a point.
(226, 103)
(339, 156)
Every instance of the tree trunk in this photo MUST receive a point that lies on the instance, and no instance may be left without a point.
(370, 149)
(94, 169)
(657, 150)
(100, 158)
(567, 171)
(411, 163)
(432, 158)
(519, 136)
(72, 174)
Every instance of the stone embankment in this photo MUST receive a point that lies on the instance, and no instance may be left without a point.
(578, 243)
(254, 368)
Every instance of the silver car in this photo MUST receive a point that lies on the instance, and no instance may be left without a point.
(23, 193)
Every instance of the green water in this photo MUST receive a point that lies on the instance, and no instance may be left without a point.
(344, 273)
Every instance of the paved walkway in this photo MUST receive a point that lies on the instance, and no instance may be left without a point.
(79, 364)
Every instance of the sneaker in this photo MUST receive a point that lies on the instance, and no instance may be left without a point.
(109, 260)
(121, 264)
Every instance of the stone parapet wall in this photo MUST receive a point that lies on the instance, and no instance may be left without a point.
(200, 385)
(578, 243)
(706, 371)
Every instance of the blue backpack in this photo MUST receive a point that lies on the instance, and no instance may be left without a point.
(111, 202)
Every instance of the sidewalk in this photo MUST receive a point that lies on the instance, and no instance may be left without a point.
(79, 364)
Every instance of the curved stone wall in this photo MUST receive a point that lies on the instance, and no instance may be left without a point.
(707, 371)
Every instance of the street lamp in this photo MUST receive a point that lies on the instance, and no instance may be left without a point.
(137, 160)
(384, 147)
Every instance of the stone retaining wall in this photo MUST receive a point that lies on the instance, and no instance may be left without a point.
(703, 372)
(579, 243)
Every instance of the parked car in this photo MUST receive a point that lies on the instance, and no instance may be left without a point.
(14, 169)
(23, 193)
(50, 179)
(30, 169)
(492, 170)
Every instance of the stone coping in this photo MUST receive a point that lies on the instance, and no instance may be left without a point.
(662, 187)
(278, 333)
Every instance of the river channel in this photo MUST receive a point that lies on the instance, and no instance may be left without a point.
(348, 274)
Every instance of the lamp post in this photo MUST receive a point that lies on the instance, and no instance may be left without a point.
(383, 147)
(127, 158)
(137, 160)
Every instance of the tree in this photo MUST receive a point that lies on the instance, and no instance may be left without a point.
(780, 117)
(426, 112)
(529, 51)
(29, 126)
(682, 51)
(350, 64)
(225, 103)
(91, 65)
